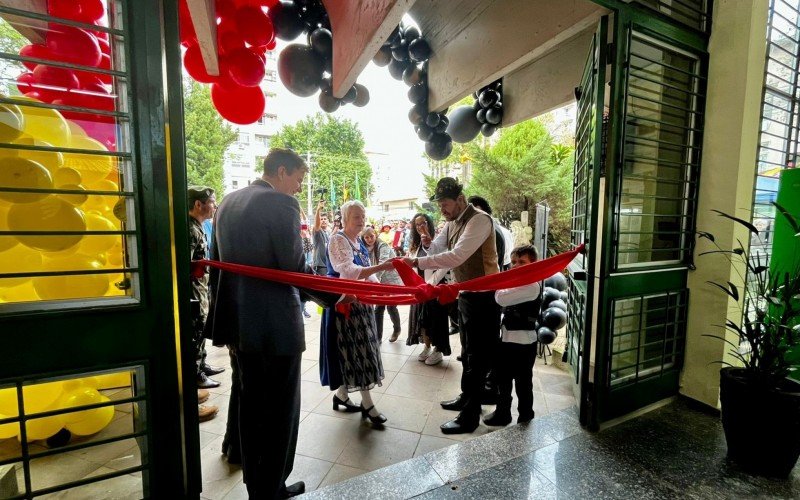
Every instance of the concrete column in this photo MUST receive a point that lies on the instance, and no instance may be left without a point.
(735, 81)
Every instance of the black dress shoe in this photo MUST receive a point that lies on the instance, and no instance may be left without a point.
(525, 418)
(498, 418)
(203, 382)
(455, 404)
(380, 419)
(459, 426)
(293, 490)
(453, 330)
(349, 407)
(212, 370)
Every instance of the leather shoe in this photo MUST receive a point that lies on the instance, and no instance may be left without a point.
(203, 382)
(524, 419)
(212, 370)
(349, 406)
(202, 395)
(293, 490)
(458, 426)
(498, 418)
(456, 404)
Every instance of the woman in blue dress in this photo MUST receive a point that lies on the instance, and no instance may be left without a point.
(350, 357)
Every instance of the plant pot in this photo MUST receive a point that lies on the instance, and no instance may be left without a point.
(762, 426)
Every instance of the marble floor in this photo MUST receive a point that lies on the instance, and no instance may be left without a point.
(335, 446)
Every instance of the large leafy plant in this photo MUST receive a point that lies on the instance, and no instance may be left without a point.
(769, 332)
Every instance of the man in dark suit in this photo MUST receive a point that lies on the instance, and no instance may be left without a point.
(262, 320)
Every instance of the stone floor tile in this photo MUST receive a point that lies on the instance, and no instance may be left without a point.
(57, 469)
(388, 377)
(428, 444)
(309, 470)
(393, 362)
(324, 437)
(219, 477)
(311, 394)
(372, 448)
(238, 492)
(339, 473)
(122, 487)
(439, 416)
(556, 402)
(404, 413)
(416, 367)
(414, 387)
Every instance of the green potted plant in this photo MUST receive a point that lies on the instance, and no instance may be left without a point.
(760, 398)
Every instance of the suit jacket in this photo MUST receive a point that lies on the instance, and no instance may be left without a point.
(258, 226)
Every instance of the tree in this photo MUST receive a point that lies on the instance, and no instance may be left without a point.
(336, 148)
(207, 138)
(521, 169)
(10, 42)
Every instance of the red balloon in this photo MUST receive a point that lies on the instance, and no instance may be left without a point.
(254, 26)
(92, 10)
(185, 26)
(105, 48)
(242, 106)
(193, 62)
(272, 44)
(24, 83)
(61, 78)
(73, 45)
(225, 9)
(224, 79)
(245, 67)
(36, 50)
(66, 9)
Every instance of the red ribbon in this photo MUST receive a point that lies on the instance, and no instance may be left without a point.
(414, 290)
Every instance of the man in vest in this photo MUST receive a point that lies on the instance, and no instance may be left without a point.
(467, 246)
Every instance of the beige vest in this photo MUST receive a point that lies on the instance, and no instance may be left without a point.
(481, 263)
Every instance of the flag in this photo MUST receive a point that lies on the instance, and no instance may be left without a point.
(345, 194)
(357, 189)
(333, 193)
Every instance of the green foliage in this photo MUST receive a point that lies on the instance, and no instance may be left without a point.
(10, 42)
(337, 151)
(521, 169)
(769, 333)
(207, 138)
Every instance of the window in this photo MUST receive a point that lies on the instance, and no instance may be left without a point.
(238, 164)
(385, 207)
(271, 76)
(262, 140)
(235, 184)
(266, 118)
(411, 205)
(269, 94)
(244, 138)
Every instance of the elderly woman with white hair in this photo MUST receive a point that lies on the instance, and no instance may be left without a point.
(350, 357)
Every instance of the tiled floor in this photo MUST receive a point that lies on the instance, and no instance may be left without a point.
(335, 446)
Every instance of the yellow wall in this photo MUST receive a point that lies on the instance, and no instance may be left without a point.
(736, 73)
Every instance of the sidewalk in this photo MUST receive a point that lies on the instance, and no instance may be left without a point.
(335, 446)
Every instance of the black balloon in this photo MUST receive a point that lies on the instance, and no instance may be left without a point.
(417, 114)
(432, 119)
(419, 50)
(441, 138)
(553, 318)
(327, 102)
(565, 296)
(412, 75)
(411, 33)
(549, 295)
(394, 36)
(488, 98)
(463, 125)
(438, 150)
(487, 129)
(286, 20)
(559, 304)
(401, 51)
(300, 69)
(545, 335)
(418, 93)
(351, 95)
(384, 56)
(424, 132)
(322, 42)
(396, 68)
(362, 99)
(557, 281)
(494, 115)
(325, 85)
(476, 105)
(481, 115)
(443, 123)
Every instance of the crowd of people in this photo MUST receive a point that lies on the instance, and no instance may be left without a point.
(261, 322)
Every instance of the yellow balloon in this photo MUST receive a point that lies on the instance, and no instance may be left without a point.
(66, 175)
(22, 293)
(115, 257)
(38, 397)
(50, 214)
(6, 242)
(96, 244)
(80, 397)
(12, 123)
(45, 124)
(114, 380)
(92, 167)
(18, 259)
(43, 428)
(8, 430)
(95, 422)
(8, 402)
(71, 287)
(23, 173)
(102, 202)
(74, 199)
(75, 129)
(51, 160)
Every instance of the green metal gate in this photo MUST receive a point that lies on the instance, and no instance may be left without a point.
(91, 242)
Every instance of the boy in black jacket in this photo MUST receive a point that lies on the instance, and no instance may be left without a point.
(518, 347)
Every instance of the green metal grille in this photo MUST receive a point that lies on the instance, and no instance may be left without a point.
(34, 284)
(691, 13)
(655, 202)
(576, 324)
(647, 336)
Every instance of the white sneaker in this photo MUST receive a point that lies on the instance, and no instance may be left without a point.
(425, 353)
(434, 359)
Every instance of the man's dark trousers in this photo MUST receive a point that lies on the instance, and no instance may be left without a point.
(269, 418)
(479, 322)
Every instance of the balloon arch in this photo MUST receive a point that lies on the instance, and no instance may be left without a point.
(247, 29)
